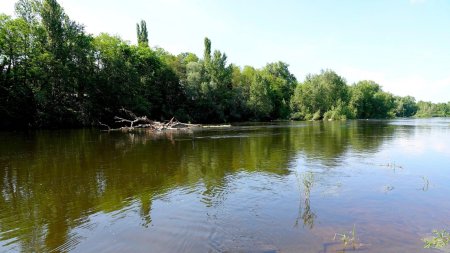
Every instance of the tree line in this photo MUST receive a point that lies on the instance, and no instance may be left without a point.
(53, 74)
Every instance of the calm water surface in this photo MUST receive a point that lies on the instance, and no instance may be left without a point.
(280, 187)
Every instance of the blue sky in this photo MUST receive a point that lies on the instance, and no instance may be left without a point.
(404, 45)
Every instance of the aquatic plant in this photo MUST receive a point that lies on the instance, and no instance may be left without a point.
(426, 183)
(388, 188)
(393, 166)
(439, 239)
(308, 182)
(305, 213)
(347, 238)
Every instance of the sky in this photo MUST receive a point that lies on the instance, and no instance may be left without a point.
(404, 45)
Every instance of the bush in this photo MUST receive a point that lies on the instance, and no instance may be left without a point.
(297, 116)
(339, 112)
(316, 115)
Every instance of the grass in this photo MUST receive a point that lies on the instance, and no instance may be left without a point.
(305, 213)
(347, 238)
(439, 240)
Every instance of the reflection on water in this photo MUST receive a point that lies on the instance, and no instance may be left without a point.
(305, 212)
(234, 189)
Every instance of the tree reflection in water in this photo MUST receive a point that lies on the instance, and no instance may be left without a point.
(51, 182)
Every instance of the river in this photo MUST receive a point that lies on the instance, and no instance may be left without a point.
(268, 187)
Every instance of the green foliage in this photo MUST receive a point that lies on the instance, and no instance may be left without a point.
(321, 92)
(317, 115)
(282, 86)
(405, 106)
(207, 51)
(440, 239)
(368, 101)
(54, 74)
(17, 106)
(209, 87)
(259, 101)
(428, 109)
(336, 113)
(142, 34)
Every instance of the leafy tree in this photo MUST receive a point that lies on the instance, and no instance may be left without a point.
(67, 61)
(17, 105)
(428, 109)
(207, 51)
(282, 86)
(54, 74)
(260, 103)
(209, 84)
(405, 106)
(240, 94)
(319, 93)
(134, 78)
(369, 101)
(142, 34)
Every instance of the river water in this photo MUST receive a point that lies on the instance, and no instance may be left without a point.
(270, 187)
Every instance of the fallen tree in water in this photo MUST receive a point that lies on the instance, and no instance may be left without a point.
(144, 123)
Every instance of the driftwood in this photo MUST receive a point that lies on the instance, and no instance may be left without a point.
(145, 123)
(132, 122)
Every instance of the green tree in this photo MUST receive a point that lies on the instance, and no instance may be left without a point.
(428, 109)
(209, 84)
(17, 105)
(54, 74)
(67, 62)
(370, 101)
(405, 106)
(318, 94)
(260, 103)
(282, 86)
(207, 51)
(142, 34)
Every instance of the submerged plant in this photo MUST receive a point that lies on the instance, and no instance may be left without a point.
(439, 239)
(426, 184)
(347, 238)
(308, 182)
(388, 188)
(392, 166)
(305, 212)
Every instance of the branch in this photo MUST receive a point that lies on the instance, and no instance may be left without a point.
(101, 124)
(137, 119)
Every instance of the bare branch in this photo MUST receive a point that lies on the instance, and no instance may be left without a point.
(101, 124)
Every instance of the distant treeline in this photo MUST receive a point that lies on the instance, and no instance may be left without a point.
(53, 74)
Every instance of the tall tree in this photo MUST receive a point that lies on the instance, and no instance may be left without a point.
(282, 86)
(67, 62)
(207, 51)
(17, 105)
(53, 74)
(142, 34)
(259, 101)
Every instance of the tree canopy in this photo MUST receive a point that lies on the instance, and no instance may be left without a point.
(53, 74)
